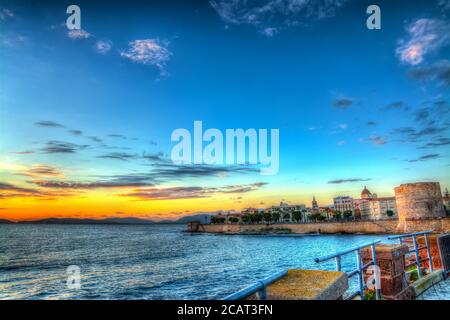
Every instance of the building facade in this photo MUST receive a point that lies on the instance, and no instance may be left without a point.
(378, 208)
(344, 203)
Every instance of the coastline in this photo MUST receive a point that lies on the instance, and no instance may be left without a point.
(391, 226)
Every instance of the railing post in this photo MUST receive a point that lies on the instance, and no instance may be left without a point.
(262, 294)
(338, 263)
(430, 261)
(416, 249)
(377, 273)
(359, 266)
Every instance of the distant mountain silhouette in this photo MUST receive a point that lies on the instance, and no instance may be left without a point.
(89, 221)
(203, 217)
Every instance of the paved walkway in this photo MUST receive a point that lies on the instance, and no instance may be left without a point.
(441, 291)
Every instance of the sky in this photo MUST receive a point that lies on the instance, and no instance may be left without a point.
(86, 116)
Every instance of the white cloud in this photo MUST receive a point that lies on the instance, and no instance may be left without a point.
(343, 126)
(12, 40)
(103, 46)
(6, 14)
(424, 36)
(78, 34)
(149, 52)
(269, 16)
(269, 32)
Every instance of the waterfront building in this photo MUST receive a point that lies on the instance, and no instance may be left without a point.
(344, 203)
(446, 199)
(378, 208)
(286, 210)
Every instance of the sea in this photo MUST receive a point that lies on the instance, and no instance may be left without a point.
(150, 261)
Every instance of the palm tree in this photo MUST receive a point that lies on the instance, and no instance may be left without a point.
(276, 216)
(297, 215)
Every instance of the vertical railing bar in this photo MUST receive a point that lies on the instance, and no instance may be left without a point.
(360, 274)
(338, 263)
(430, 261)
(262, 294)
(419, 271)
(377, 274)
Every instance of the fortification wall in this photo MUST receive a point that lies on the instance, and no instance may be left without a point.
(441, 225)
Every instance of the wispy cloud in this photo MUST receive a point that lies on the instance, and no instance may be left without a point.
(76, 132)
(444, 4)
(425, 157)
(103, 46)
(397, 105)
(174, 193)
(42, 171)
(89, 185)
(439, 142)
(118, 156)
(343, 102)
(4, 186)
(49, 124)
(424, 37)
(270, 16)
(439, 71)
(55, 146)
(339, 181)
(78, 34)
(6, 14)
(376, 140)
(151, 52)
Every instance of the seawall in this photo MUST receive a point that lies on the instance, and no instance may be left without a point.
(440, 225)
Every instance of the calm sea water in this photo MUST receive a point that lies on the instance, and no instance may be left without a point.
(149, 262)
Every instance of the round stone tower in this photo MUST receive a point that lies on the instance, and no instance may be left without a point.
(418, 200)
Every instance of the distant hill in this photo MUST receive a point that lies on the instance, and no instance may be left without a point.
(90, 221)
(202, 217)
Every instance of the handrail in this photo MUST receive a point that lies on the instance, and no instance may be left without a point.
(416, 249)
(341, 253)
(360, 267)
(259, 287)
(410, 234)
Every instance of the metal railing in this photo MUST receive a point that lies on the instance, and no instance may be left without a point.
(444, 250)
(359, 268)
(260, 288)
(416, 249)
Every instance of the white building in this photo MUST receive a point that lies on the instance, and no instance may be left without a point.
(344, 203)
(377, 208)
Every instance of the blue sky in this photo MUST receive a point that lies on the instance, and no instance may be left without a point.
(354, 106)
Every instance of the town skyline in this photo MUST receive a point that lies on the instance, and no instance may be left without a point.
(86, 115)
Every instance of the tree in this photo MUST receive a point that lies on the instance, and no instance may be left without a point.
(337, 215)
(245, 218)
(317, 217)
(233, 219)
(286, 217)
(297, 216)
(348, 214)
(276, 216)
(267, 216)
(256, 217)
(389, 213)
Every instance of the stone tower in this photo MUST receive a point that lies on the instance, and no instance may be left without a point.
(418, 201)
